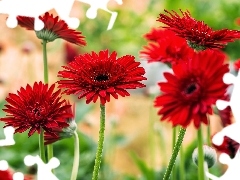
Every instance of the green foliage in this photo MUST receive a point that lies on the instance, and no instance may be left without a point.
(64, 152)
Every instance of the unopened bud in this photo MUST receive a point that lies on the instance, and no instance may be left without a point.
(210, 156)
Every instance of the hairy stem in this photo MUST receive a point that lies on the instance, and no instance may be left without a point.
(41, 146)
(176, 149)
(100, 143)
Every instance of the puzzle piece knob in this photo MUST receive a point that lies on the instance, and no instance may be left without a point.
(91, 13)
(38, 24)
(12, 22)
(73, 22)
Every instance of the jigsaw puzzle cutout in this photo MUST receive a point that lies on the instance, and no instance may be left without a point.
(232, 131)
(8, 141)
(35, 8)
(101, 4)
(44, 170)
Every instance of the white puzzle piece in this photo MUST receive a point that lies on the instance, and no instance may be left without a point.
(44, 171)
(101, 4)
(36, 8)
(8, 141)
(232, 131)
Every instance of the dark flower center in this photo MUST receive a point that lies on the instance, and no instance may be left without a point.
(191, 91)
(190, 88)
(36, 111)
(102, 77)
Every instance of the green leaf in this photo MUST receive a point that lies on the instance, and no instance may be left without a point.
(147, 172)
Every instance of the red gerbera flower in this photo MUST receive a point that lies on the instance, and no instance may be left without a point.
(62, 133)
(101, 75)
(192, 89)
(167, 48)
(53, 29)
(228, 146)
(198, 34)
(34, 108)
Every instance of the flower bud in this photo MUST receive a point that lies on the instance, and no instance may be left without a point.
(210, 156)
(68, 131)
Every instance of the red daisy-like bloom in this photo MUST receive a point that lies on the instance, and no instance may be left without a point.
(192, 89)
(228, 146)
(167, 48)
(62, 133)
(53, 29)
(101, 75)
(35, 108)
(198, 34)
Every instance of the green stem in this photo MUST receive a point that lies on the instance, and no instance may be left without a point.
(209, 137)
(76, 157)
(45, 61)
(208, 133)
(175, 153)
(50, 151)
(41, 145)
(100, 143)
(182, 163)
(200, 155)
(45, 69)
(174, 132)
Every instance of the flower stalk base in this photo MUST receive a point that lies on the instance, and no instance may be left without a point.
(41, 146)
(200, 155)
(176, 149)
(76, 157)
(100, 143)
